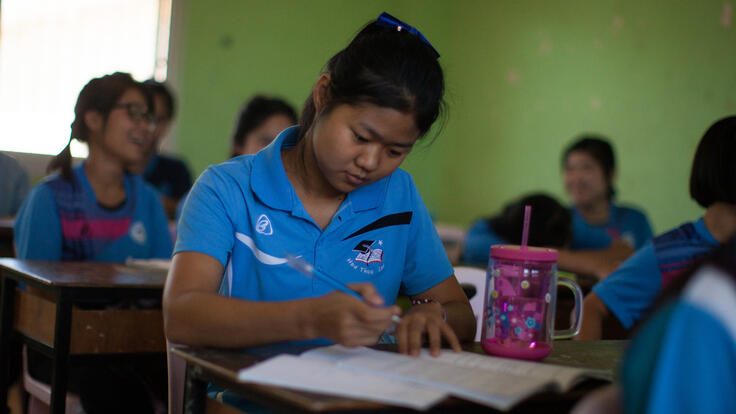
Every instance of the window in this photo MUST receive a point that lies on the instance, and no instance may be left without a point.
(50, 49)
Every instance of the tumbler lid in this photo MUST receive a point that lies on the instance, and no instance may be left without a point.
(514, 252)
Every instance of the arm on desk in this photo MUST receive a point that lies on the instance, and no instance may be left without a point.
(195, 314)
(599, 263)
(594, 313)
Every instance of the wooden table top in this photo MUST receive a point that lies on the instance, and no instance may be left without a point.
(85, 274)
(601, 355)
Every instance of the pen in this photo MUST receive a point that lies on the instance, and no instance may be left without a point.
(308, 269)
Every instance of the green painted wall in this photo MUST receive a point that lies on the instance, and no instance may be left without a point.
(524, 78)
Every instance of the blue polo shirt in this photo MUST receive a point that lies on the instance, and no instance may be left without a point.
(626, 223)
(478, 242)
(245, 214)
(631, 289)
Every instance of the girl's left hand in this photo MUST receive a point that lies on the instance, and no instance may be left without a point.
(423, 320)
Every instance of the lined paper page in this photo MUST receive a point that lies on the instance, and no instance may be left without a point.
(324, 376)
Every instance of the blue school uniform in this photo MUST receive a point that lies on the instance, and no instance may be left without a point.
(245, 214)
(628, 224)
(61, 220)
(168, 175)
(478, 242)
(683, 360)
(630, 290)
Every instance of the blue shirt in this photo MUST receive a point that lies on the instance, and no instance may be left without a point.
(478, 242)
(246, 214)
(61, 220)
(626, 223)
(631, 289)
(683, 360)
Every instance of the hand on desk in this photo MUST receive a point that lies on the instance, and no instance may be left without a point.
(425, 319)
(350, 321)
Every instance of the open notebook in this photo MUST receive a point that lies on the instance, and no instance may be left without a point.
(416, 383)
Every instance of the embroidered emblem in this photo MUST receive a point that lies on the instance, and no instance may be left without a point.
(263, 225)
(138, 232)
(367, 254)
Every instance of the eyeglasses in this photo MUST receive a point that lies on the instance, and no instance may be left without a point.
(137, 113)
(387, 20)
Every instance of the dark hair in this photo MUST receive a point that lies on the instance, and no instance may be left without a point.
(713, 175)
(385, 67)
(160, 89)
(99, 95)
(255, 112)
(550, 225)
(601, 150)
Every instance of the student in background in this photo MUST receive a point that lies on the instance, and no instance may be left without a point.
(14, 185)
(261, 119)
(167, 174)
(98, 211)
(682, 358)
(631, 289)
(550, 226)
(604, 233)
(329, 190)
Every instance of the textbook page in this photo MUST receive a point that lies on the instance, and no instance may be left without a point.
(325, 376)
(496, 382)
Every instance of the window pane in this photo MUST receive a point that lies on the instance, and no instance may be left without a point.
(50, 49)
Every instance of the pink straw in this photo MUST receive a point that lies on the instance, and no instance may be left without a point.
(527, 219)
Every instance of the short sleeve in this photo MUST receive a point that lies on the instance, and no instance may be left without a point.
(426, 262)
(205, 224)
(37, 229)
(631, 289)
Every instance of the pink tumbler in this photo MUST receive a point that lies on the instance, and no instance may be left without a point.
(521, 294)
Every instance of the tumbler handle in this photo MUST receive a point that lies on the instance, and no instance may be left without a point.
(575, 326)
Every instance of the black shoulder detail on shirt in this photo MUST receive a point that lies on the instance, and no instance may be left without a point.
(385, 221)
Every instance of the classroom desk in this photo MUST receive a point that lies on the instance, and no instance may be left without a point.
(54, 317)
(221, 366)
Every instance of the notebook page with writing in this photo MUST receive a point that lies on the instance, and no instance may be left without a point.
(325, 376)
(495, 382)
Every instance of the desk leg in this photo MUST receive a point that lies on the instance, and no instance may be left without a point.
(60, 373)
(6, 328)
(195, 392)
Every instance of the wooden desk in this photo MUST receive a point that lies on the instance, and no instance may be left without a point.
(221, 366)
(53, 314)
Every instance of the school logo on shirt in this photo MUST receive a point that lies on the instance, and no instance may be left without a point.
(367, 253)
(138, 232)
(263, 225)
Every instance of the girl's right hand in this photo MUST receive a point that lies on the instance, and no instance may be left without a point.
(351, 322)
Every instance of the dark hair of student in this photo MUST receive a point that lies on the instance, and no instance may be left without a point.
(713, 175)
(100, 95)
(255, 112)
(601, 150)
(550, 225)
(387, 67)
(160, 89)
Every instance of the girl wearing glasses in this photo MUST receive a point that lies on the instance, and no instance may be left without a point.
(328, 190)
(97, 211)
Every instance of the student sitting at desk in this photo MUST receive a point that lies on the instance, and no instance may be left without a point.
(329, 190)
(682, 358)
(550, 227)
(98, 211)
(260, 120)
(630, 290)
(604, 233)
